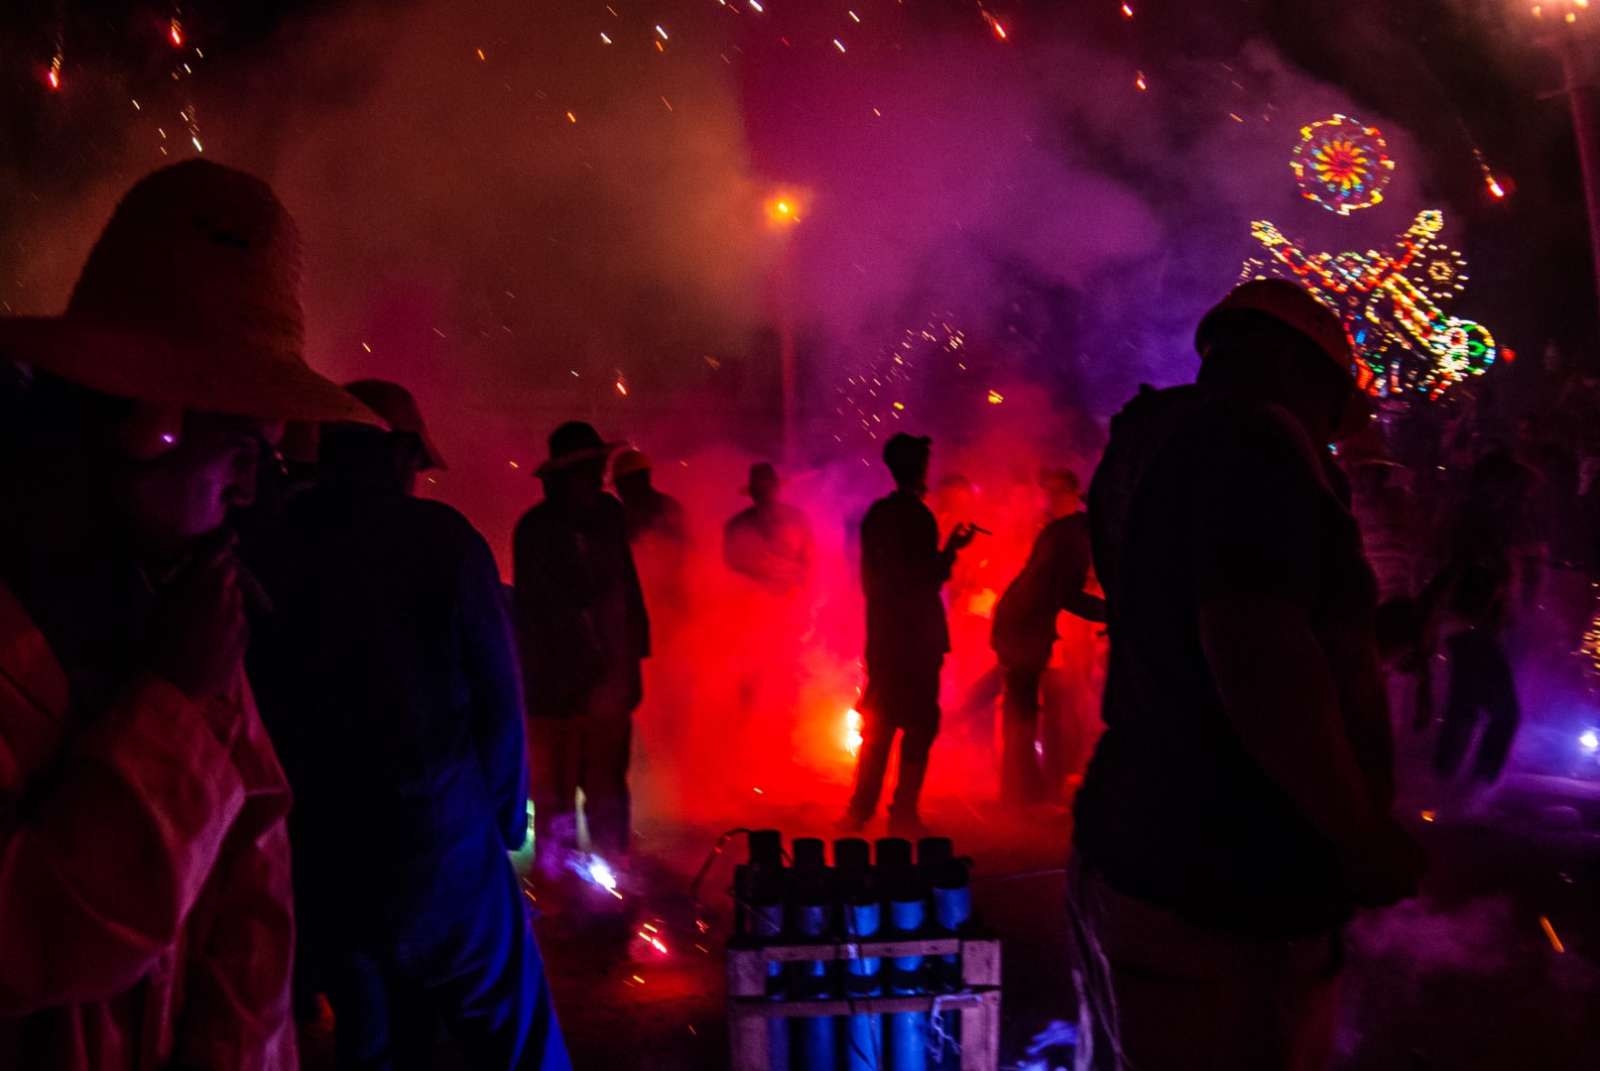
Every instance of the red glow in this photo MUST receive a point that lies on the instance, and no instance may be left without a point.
(997, 26)
(175, 33)
(53, 79)
(1497, 191)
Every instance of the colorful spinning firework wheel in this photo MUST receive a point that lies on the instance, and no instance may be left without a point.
(1341, 164)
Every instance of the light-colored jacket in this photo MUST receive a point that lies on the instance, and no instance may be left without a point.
(145, 907)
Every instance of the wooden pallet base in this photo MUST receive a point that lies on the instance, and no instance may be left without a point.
(751, 1012)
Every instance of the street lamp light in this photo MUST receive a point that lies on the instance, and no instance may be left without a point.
(783, 213)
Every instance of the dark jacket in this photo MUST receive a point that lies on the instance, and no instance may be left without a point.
(1052, 581)
(902, 572)
(580, 611)
(387, 678)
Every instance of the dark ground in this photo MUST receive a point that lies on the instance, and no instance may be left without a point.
(1464, 978)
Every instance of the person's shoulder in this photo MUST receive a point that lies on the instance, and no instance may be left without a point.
(1248, 432)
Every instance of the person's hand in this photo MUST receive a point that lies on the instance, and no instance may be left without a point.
(1385, 867)
(198, 632)
(961, 536)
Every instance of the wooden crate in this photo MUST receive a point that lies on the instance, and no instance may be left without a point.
(751, 1011)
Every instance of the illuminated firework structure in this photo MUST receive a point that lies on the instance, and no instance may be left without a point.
(1341, 164)
(1392, 304)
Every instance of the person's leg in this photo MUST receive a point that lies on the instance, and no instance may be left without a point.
(918, 718)
(603, 776)
(1159, 994)
(1461, 706)
(872, 761)
(1019, 764)
(478, 966)
(552, 769)
(1499, 699)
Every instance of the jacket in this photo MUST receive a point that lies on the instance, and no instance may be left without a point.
(580, 611)
(145, 917)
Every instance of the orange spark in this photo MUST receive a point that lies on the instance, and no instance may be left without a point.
(995, 397)
(1497, 191)
(53, 77)
(1550, 932)
(175, 32)
(996, 25)
(481, 57)
(1127, 11)
(1139, 82)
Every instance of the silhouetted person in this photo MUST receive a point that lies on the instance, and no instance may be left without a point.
(583, 631)
(1236, 810)
(770, 542)
(903, 569)
(145, 914)
(1024, 635)
(648, 510)
(388, 678)
(1473, 597)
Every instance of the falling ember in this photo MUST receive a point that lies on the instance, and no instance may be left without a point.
(756, 7)
(995, 397)
(1139, 82)
(996, 26)
(605, 38)
(1127, 11)
(838, 44)
(662, 33)
(1429, 816)
(481, 57)
(622, 386)
(1552, 936)
(1497, 191)
(571, 118)
(175, 32)
(53, 76)
(852, 732)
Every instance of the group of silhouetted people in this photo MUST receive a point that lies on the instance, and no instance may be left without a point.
(1233, 818)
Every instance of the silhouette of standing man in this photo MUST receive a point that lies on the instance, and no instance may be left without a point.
(902, 570)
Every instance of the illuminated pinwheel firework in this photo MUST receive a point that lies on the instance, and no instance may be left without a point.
(1341, 164)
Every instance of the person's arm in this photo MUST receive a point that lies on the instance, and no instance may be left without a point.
(98, 876)
(1259, 516)
(238, 1011)
(1278, 692)
(1075, 575)
(490, 661)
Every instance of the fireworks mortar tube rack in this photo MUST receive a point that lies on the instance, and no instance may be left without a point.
(763, 951)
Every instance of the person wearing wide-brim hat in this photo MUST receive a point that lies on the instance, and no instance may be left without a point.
(1236, 812)
(145, 914)
(583, 632)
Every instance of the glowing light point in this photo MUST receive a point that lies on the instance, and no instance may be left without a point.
(995, 25)
(196, 142)
(995, 397)
(852, 731)
(482, 58)
(1589, 740)
(1551, 935)
(756, 7)
(53, 76)
(1139, 82)
(1127, 11)
(838, 44)
(784, 209)
(854, 17)
(175, 32)
(1429, 816)
(662, 32)
(1497, 191)
(605, 38)
(571, 118)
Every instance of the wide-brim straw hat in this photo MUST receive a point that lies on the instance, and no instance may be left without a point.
(1295, 307)
(190, 298)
